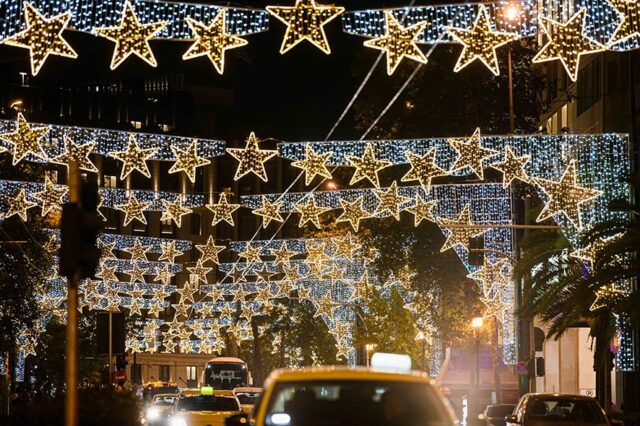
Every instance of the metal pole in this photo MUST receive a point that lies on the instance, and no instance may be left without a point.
(7, 371)
(477, 379)
(71, 371)
(110, 346)
(512, 125)
(424, 342)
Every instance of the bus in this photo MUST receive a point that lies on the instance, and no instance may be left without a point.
(226, 373)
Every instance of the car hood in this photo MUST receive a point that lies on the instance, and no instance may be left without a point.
(206, 418)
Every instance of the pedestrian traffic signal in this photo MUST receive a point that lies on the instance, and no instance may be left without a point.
(539, 366)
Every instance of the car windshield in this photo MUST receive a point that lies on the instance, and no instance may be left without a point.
(499, 410)
(208, 403)
(355, 403)
(558, 409)
(163, 400)
(248, 397)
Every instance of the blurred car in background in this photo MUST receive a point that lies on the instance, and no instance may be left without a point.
(494, 415)
(248, 397)
(547, 409)
(157, 411)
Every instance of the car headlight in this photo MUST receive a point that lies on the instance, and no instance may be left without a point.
(152, 413)
(177, 421)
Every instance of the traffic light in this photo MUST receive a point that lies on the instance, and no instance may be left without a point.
(539, 366)
(79, 233)
(476, 251)
(121, 361)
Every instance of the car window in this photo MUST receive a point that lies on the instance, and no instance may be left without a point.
(560, 410)
(164, 400)
(208, 403)
(248, 397)
(355, 403)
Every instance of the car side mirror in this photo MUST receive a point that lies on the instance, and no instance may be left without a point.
(511, 419)
(237, 420)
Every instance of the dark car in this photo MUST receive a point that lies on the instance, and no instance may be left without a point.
(495, 414)
(557, 410)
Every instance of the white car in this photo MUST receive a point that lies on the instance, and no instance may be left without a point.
(157, 412)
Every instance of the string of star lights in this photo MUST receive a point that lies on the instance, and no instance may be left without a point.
(121, 242)
(251, 158)
(107, 141)
(86, 15)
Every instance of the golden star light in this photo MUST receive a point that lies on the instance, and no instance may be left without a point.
(423, 168)
(50, 197)
(629, 27)
(567, 42)
(136, 274)
(313, 165)
(292, 273)
(199, 272)
(490, 276)
(137, 251)
(607, 296)
(250, 254)
(134, 158)
(106, 250)
(174, 210)
(18, 205)
(471, 154)
(399, 42)
(209, 251)
(78, 153)
(423, 210)
(107, 274)
(326, 306)
(310, 212)
(346, 246)
(282, 255)
(133, 209)
(131, 37)
(187, 292)
(188, 161)
(495, 307)
(269, 212)
(512, 167)
(459, 231)
(480, 42)
(305, 21)
(565, 196)
(390, 201)
(263, 275)
(223, 210)
(43, 37)
(367, 166)
(213, 40)
(353, 212)
(169, 252)
(343, 350)
(26, 140)
(251, 158)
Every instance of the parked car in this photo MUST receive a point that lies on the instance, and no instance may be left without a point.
(557, 409)
(494, 415)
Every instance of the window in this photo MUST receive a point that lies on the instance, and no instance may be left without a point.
(167, 227)
(192, 372)
(110, 181)
(163, 373)
(195, 220)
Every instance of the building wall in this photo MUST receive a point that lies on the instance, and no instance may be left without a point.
(177, 365)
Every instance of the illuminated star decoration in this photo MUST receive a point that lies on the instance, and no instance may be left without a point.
(305, 21)
(353, 212)
(367, 166)
(251, 158)
(131, 37)
(567, 43)
(346, 246)
(423, 169)
(269, 211)
(496, 307)
(169, 252)
(174, 210)
(50, 197)
(26, 140)
(471, 154)
(480, 42)
(607, 295)
(459, 235)
(310, 212)
(213, 40)
(188, 161)
(313, 165)
(423, 210)
(78, 153)
(134, 158)
(390, 201)
(18, 205)
(250, 254)
(137, 251)
(223, 210)
(629, 27)
(399, 42)
(199, 272)
(43, 37)
(133, 209)
(512, 167)
(282, 255)
(565, 196)
(209, 251)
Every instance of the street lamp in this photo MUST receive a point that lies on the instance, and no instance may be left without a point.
(512, 12)
(369, 347)
(332, 186)
(476, 324)
(422, 337)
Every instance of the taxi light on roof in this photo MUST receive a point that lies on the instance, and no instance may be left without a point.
(280, 419)
(391, 362)
(206, 390)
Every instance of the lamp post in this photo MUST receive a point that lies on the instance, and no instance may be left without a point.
(511, 12)
(369, 347)
(422, 337)
(476, 324)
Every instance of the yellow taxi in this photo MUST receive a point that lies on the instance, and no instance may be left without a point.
(389, 394)
(204, 407)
